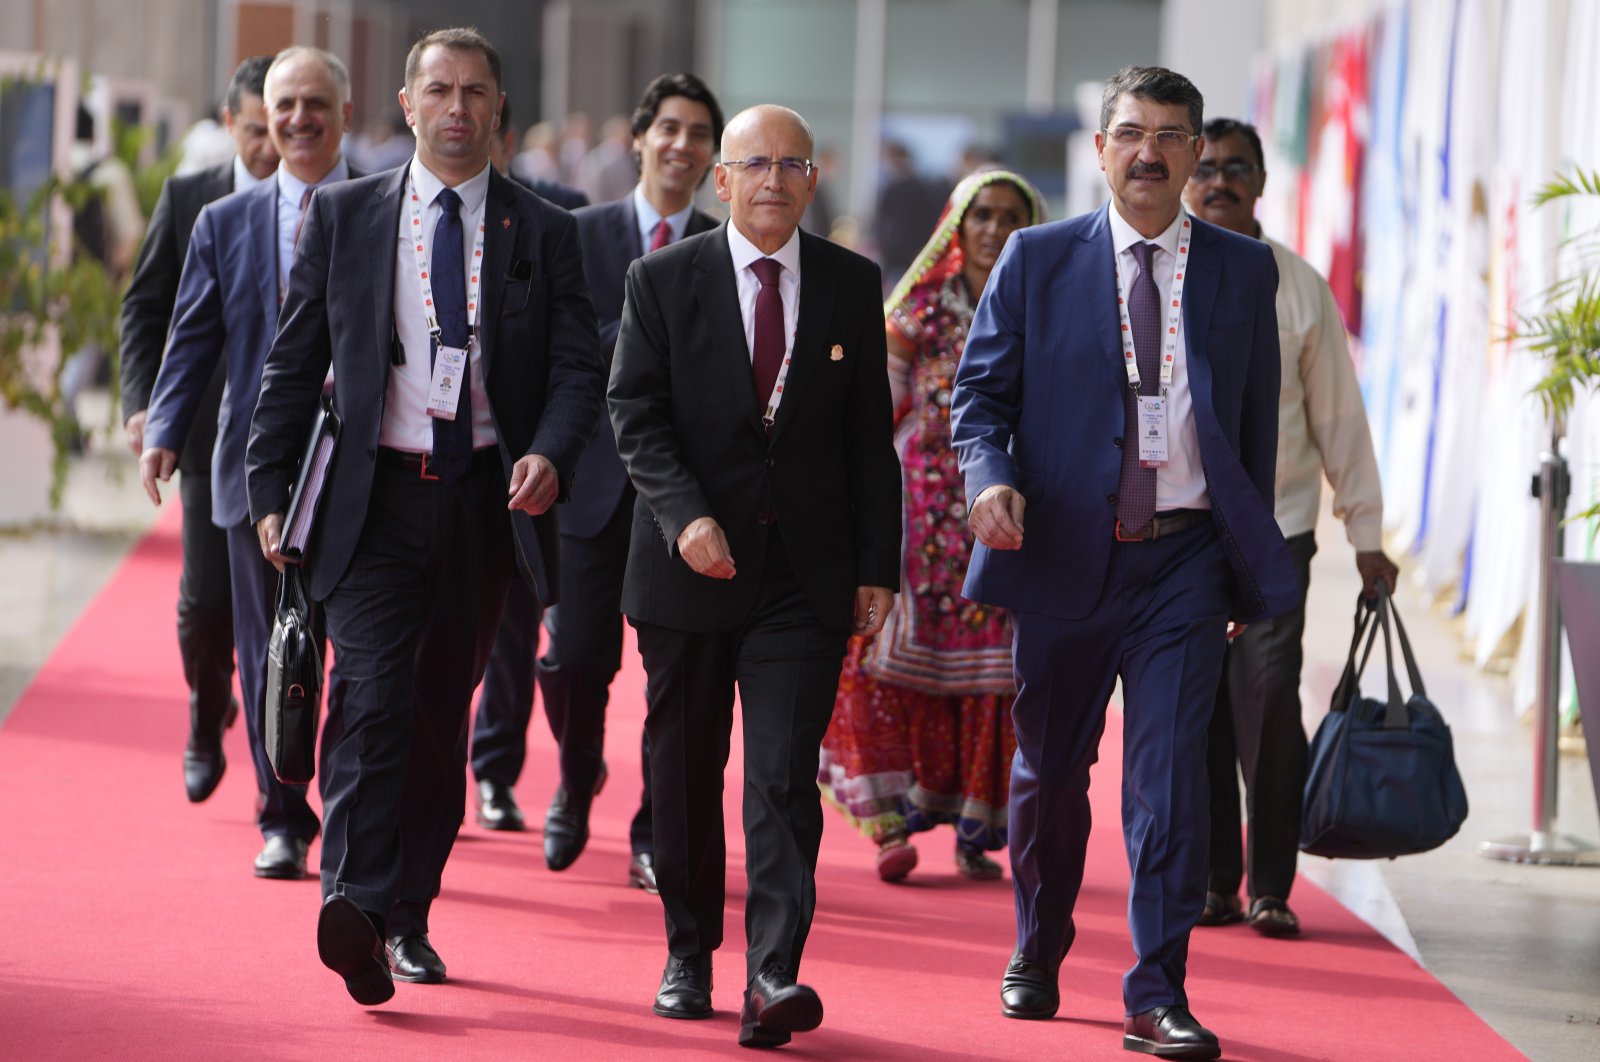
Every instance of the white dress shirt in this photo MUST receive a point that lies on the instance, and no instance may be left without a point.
(788, 256)
(243, 179)
(406, 424)
(1181, 482)
(290, 191)
(649, 217)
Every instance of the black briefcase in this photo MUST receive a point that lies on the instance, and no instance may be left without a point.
(1383, 780)
(294, 684)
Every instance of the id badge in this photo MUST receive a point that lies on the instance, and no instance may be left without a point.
(1152, 431)
(449, 377)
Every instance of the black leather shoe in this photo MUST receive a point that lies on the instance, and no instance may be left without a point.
(413, 959)
(685, 990)
(497, 808)
(282, 857)
(203, 761)
(1028, 991)
(566, 829)
(642, 873)
(775, 1007)
(1169, 1032)
(348, 945)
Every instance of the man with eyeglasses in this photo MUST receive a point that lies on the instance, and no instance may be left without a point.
(1120, 386)
(1322, 429)
(752, 413)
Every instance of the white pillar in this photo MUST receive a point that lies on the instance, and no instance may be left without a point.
(1044, 17)
(1213, 43)
(872, 35)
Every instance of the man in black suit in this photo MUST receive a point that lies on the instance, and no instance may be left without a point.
(676, 127)
(466, 395)
(751, 410)
(227, 311)
(505, 705)
(205, 605)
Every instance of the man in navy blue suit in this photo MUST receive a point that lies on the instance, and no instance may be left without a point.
(449, 302)
(233, 281)
(1120, 388)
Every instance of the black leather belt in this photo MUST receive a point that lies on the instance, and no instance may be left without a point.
(417, 464)
(1163, 524)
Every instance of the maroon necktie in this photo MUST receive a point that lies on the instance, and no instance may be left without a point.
(661, 236)
(305, 201)
(767, 356)
(1136, 489)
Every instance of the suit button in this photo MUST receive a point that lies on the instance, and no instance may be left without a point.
(764, 518)
(1112, 498)
(1117, 442)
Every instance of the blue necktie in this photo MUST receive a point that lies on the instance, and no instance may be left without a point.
(452, 439)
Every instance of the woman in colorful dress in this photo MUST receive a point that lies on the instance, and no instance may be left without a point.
(921, 732)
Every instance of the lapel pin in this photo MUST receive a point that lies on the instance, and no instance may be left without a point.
(505, 223)
(836, 354)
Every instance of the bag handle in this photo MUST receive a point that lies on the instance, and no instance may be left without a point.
(1396, 717)
(1350, 680)
(1412, 672)
(291, 590)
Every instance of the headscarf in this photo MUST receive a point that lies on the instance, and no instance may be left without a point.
(941, 256)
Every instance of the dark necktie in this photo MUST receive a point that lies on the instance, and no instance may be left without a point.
(767, 357)
(1136, 490)
(452, 439)
(305, 201)
(283, 275)
(661, 236)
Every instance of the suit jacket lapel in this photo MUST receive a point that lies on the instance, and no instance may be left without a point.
(1199, 299)
(817, 291)
(500, 221)
(718, 295)
(383, 234)
(263, 227)
(625, 228)
(1096, 287)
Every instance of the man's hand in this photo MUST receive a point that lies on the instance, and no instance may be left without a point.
(1374, 564)
(996, 517)
(872, 608)
(156, 464)
(704, 548)
(534, 485)
(134, 429)
(269, 529)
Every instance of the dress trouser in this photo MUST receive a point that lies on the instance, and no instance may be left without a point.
(205, 604)
(412, 621)
(786, 666)
(1160, 625)
(1257, 725)
(505, 705)
(583, 656)
(281, 809)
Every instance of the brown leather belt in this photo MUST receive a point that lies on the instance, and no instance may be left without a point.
(1163, 524)
(417, 464)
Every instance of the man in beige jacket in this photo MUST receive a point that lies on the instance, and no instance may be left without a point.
(1322, 428)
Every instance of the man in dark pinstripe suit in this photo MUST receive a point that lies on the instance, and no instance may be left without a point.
(440, 270)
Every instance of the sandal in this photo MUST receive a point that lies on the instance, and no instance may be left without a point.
(896, 858)
(1271, 917)
(1222, 909)
(972, 863)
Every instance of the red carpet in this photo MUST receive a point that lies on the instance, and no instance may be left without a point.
(133, 927)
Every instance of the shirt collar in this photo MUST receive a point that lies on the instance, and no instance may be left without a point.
(1124, 235)
(649, 217)
(745, 252)
(242, 177)
(291, 188)
(472, 191)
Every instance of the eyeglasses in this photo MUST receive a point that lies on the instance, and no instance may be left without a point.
(760, 166)
(1232, 170)
(1131, 136)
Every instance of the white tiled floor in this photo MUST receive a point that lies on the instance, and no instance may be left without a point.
(1519, 944)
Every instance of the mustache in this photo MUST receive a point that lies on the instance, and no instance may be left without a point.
(1222, 195)
(1149, 169)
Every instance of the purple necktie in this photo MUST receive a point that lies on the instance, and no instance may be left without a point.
(767, 357)
(1136, 490)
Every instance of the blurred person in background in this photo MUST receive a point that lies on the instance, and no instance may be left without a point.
(1322, 430)
(820, 213)
(921, 732)
(536, 161)
(503, 157)
(608, 172)
(576, 140)
(205, 600)
(908, 207)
